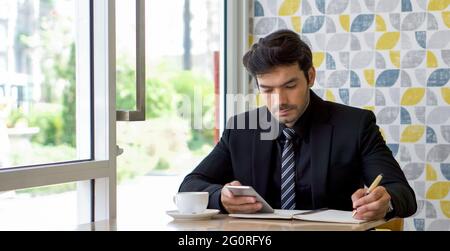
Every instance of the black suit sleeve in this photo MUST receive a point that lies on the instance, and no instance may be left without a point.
(212, 173)
(377, 159)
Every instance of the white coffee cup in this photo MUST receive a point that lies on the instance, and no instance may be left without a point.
(191, 202)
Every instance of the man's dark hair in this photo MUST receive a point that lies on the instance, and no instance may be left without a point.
(281, 48)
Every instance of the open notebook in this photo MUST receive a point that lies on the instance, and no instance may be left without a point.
(322, 215)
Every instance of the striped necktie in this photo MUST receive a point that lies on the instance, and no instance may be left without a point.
(288, 171)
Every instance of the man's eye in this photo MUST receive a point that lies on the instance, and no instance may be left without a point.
(266, 90)
(291, 86)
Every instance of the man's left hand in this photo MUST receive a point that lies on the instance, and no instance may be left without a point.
(373, 206)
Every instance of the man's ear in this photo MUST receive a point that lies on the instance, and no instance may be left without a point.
(311, 77)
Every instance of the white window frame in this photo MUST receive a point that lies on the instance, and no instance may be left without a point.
(96, 178)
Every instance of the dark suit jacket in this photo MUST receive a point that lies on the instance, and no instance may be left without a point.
(347, 151)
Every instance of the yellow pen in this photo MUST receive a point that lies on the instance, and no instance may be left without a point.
(374, 184)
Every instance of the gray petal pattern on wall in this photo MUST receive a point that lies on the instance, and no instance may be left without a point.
(420, 151)
(355, 45)
(394, 130)
(413, 21)
(413, 59)
(362, 59)
(420, 207)
(331, 27)
(265, 25)
(388, 115)
(446, 56)
(394, 93)
(432, 22)
(380, 63)
(337, 6)
(306, 8)
(272, 6)
(386, 5)
(430, 211)
(405, 156)
(439, 225)
(431, 98)
(395, 20)
(370, 4)
(439, 115)
(344, 58)
(438, 153)
(419, 187)
(405, 79)
(413, 170)
(422, 4)
(445, 131)
(439, 40)
(338, 42)
(406, 41)
(355, 6)
(362, 97)
(420, 113)
(421, 76)
(337, 79)
(380, 100)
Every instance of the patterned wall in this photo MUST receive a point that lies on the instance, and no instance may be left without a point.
(392, 57)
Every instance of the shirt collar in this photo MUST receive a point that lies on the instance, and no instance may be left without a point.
(301, 126)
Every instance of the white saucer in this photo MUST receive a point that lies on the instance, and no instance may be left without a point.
(201, 216)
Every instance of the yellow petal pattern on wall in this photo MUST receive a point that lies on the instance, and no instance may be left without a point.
(297, 24)
(445, 207)
(388, 40)
(345, 22)
(413, 96)
(370, 77)
(318, 59)
(259, 100)
(412, 134)
(251, 39)
(446, 94)
(369, 108)
(431, 60)
(430, 173)
(329, 96)
(446, 18)
(438, 4)
(383, 134)
(289, 7)
(395, 58)
(438, 190)
(380, 24)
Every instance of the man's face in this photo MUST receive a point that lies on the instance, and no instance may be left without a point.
(285, 91)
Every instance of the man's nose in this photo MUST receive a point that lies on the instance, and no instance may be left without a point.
(281, 97)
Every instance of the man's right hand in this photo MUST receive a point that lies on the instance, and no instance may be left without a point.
(238, 204)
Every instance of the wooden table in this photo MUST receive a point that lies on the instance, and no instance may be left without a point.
(223, 223)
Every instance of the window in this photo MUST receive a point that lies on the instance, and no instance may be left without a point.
(183, 114)
(39, 107)
(182, 94)
(57, 131)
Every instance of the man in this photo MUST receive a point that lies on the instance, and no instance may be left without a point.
(323, 153)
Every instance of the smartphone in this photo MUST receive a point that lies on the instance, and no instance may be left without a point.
(249, 191)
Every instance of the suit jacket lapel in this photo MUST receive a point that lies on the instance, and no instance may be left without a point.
(321, 133)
